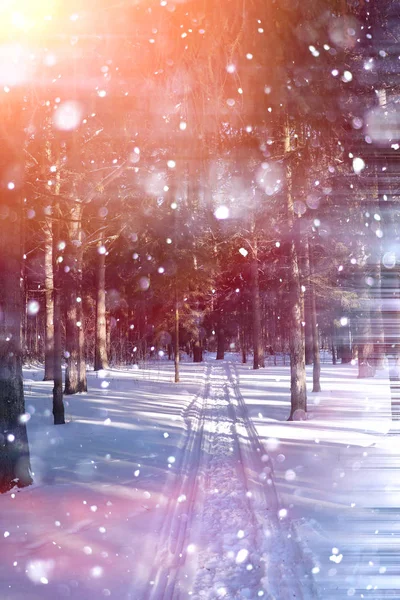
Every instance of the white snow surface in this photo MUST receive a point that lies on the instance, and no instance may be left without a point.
(202, 490)
(337, 475)
(89, 526)
(235, 543)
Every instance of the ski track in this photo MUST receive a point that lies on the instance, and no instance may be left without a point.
(224, 535)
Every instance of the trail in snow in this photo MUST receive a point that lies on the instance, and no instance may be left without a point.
(227, 537)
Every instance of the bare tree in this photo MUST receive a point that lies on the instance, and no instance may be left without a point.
(14, 450)
(100, 357)
(298, 388)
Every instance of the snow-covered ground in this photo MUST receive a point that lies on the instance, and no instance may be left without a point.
(337, 474)
(89, 526)
(230, 539)
(202, 490)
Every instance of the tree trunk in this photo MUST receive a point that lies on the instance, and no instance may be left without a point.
(307, 329)
(75, 376)
(72, 285)
(49, 277)
(298, 388)
(82, 379)
(243, 334)
(197, 352)
(100, 358)
(220, 343)
(308, 335)
(48, 282)
(363, 331)
(24, 292)
(244, 354)
(333, 336)
(71, 338)
(258, 351)
(344, 347)
(36, 339)
(176, 356)
(364, 344)
(56, 285)
(314, 326)
(58, 404)
(108, 336)
(377, 327)
(14, 449)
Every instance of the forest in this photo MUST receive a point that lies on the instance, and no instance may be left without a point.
(193, 178)
(195, 194)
